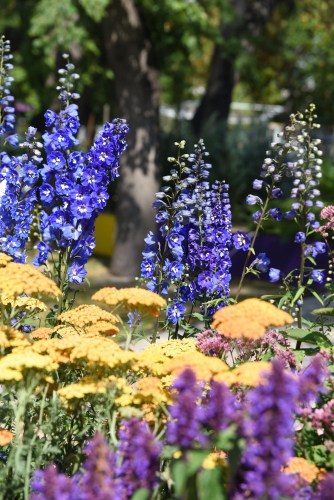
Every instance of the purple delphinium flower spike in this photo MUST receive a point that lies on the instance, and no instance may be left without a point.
(74, 186)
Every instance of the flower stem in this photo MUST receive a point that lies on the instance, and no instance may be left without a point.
(251, 248)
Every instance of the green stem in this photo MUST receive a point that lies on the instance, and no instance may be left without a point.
(251, 248)
(300, 284)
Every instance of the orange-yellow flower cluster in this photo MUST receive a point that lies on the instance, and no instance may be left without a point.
(6, 437)
(92, 319)
(15, 365)
(25, 303)
(9, 337)
(16, 279)
(249, 319)
(140, 299)
(4, 259)
(250, 374)
(307, 471)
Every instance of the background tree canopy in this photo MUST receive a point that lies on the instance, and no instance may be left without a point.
(134, 55)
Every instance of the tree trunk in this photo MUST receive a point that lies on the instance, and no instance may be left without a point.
(250, 20)
(129, 54)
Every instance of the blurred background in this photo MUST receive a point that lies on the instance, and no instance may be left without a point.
(227, 71)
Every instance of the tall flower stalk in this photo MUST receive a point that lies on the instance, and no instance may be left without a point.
(298, 158)
(74, 187)
(190, 256)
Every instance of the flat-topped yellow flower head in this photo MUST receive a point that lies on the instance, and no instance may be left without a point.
(92, 319)
(249, 319)
(301, 467)
(18, 279)
(4, 259)
(142, 300)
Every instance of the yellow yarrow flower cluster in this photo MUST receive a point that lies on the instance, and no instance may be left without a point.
(142, 300)
(251, 374)
(92, 319)
(249, 319)
(10, 337)
(154, 356)
(15, 365)
(4, 259)
(16, 279)
(24, 303)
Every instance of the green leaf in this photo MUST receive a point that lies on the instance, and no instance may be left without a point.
(299, 293)
(199, 316)
(323, 311)
(270, 297)
(210, 483)
(169, 451)
(180, 476)
(95, 8)
(314, 293)
(141, 494)
(195, 460)
(297, 333)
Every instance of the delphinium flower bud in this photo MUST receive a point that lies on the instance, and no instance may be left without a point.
(7, 110)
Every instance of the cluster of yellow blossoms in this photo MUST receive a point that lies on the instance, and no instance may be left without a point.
(249, 319)
(144, 301)
(18, 279)
(304, 469)
(91, 319)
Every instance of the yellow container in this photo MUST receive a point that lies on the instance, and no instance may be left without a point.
(105, 227)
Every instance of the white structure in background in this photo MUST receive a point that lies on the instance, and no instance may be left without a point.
(241, 112)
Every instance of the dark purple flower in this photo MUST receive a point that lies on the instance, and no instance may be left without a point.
(300, 237)
(276, 214)
(241, 240)
(184, 429)
(137, 457)
(262, 262)
(274, 274)
(175, 312)
(49, 484)
(311, 379)
(76, 273)
(270, 444)
(317, 276)
(253, 200)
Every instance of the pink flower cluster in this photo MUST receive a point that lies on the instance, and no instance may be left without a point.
(327, 213)
(321, 418)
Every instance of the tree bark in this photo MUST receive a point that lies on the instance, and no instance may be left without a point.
(249, 22)
(130, 56)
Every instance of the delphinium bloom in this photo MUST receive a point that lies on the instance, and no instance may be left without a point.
(305, 173)
(271, 438)
(73, 190)
(18, 199)
(18, 173)
(191, 252)
(7, 110)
